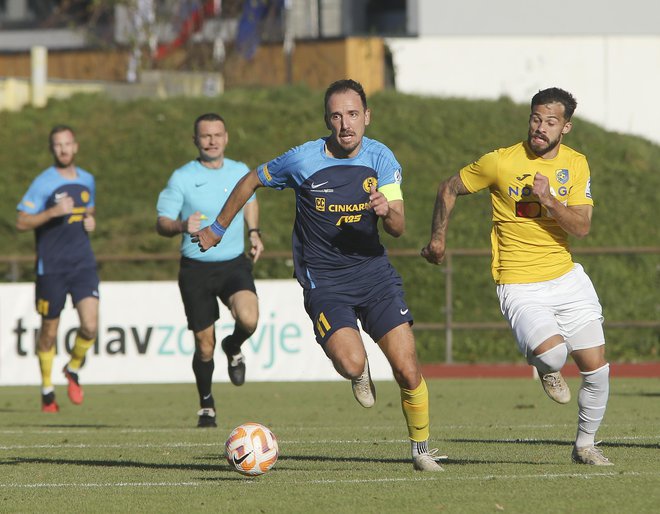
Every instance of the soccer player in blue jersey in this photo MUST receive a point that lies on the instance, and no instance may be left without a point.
(344, 184)
(184, 206)
(60, 206)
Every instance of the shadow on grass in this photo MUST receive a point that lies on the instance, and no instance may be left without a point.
(227, 472)
(115, 464)
(640, 393)
(548, 442)
(71, 425)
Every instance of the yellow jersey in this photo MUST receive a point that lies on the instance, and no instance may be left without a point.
(528, 245)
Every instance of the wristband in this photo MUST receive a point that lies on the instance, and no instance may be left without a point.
(218, 229)
(254, 230)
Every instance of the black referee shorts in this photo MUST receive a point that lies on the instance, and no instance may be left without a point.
(202, 283)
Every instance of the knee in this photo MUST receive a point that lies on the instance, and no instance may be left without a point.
(248, 318)
(408, 377)
(47, 337)
(249, 323)
(88, 330)
(204, 349)
(353, 367)
(348, 366)
(551, 360)
(46, 341)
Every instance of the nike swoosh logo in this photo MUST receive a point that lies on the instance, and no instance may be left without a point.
(206, 397)
(403, 312)
(314, 186)
(200, 185)
(523, 177)
(59, 195)
(238, 461)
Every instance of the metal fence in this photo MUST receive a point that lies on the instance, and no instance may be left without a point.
(449, 326)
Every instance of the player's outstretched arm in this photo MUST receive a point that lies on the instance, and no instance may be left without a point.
(448, 191)
(212, 235)
(251, 216)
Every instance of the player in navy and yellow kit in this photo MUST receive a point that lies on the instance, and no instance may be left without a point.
(59, 206)
(344, 184)
(187, 203)
(541, 193)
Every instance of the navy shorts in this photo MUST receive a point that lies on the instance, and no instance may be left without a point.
(378, 303)
(202, 283)
(51, 290)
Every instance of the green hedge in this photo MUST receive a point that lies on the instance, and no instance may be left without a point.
(133, 147)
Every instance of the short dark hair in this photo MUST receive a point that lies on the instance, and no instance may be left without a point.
(340, 86)
(57, 129)
(209, 116)
(556, 95)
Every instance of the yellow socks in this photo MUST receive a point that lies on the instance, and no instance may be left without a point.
(415, 405)
(46, 365)
(78, 353)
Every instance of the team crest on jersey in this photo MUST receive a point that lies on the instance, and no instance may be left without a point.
(368, 183)
(562, 176)
(320, 204)
(84, 196)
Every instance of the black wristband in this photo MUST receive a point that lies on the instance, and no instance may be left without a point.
(254, 230)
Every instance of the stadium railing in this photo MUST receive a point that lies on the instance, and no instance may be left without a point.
(449, 325)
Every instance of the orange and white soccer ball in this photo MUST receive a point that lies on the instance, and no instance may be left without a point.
(251, 449)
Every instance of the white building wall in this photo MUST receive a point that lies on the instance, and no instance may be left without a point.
(521, 17)
(615, 79)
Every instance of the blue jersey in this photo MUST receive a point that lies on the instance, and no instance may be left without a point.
(62, 243)
(335, 235)
(194, 187)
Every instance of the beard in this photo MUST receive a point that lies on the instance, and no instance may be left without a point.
(342, 148)
(542, 150)
(64, 161)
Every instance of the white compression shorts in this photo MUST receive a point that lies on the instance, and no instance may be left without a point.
(566, 306)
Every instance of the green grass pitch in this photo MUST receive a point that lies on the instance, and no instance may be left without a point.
(136, 449)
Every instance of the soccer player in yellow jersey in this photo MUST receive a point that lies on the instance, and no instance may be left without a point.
(540, 192)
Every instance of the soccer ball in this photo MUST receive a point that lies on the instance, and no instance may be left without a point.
(251, 449)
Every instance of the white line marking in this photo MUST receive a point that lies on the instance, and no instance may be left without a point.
(292, 442)
(437, 478)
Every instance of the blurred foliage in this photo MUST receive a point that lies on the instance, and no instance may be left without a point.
(133, 147)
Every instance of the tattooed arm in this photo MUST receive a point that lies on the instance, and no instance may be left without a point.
(448, 191)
